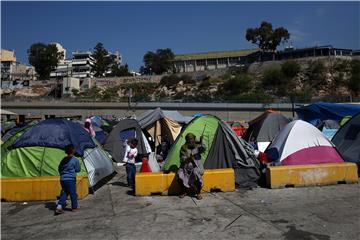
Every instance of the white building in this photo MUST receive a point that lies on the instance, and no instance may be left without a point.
(82, 64)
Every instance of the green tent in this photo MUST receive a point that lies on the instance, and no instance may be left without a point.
(223, 149)
(37, 161)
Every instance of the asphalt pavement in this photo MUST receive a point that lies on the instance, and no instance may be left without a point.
(113, 212)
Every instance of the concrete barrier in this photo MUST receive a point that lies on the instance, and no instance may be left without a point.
(310, 175)
(38, 188)
(165, 183)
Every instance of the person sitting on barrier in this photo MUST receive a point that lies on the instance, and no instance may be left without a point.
(191, 170)
(68, 168)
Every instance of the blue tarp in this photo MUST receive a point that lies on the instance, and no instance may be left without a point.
(316, 112)
(56, 133)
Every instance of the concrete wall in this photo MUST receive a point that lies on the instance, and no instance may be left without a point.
(227, 112)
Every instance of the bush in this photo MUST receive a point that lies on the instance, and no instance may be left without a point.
(187, 79)
(204, 84)
(290, 69)
(316, 73)
(141, 91)
(170, 80)
(238, 84)
(110, 93)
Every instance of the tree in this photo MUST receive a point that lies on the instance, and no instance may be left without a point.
(102, 60)
(159, 62)
(44, 58)
(119, 71)
(266, 37)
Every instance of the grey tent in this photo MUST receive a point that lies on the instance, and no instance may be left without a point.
(223, 150)
(263, 129)
(116, 140)
(161, 124)
(347, 140)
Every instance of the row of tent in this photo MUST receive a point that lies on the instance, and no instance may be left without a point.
(36, 149)
(312, 139)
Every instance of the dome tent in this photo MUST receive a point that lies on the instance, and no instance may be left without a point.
(347, 140)
(263, 129)
(37, 151)
(125, 129)
(223, 150)
(301, 143)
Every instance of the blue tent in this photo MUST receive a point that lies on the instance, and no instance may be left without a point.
(56, 133)
(317, 112)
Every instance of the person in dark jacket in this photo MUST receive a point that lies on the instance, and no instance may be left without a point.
(68, 168)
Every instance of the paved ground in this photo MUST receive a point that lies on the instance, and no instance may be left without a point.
(330, 212)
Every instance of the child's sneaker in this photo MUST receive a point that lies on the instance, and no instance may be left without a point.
(75, 209)
(58, 211)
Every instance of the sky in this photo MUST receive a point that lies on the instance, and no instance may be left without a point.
(133, 28)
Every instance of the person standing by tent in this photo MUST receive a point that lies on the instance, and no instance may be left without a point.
(88, 127)
(129, 159)
(191, 170)
(68, 168)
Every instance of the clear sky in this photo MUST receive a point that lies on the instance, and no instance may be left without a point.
(133, 28)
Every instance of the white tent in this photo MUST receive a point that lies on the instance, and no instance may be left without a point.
(299, 143)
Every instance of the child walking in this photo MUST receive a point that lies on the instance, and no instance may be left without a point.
(129, 159)
(68, 168)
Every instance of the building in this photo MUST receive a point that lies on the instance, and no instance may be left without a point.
(82, 65)
(117, 61)
(317, 51)
(63, 69)
(214, 60)
(12, 70)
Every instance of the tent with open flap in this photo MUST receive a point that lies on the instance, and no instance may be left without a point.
(162, 124)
